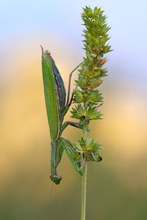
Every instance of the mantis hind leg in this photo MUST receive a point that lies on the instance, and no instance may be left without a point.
(74, 124)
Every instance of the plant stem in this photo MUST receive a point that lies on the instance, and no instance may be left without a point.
(84, 187)
(84, 181)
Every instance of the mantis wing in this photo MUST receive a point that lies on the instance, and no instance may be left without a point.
(51, 95)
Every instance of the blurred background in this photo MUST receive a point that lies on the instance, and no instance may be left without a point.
(117, 187)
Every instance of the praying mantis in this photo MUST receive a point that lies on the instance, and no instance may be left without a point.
(57, 106)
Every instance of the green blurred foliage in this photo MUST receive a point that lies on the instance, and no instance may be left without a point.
(117, 187)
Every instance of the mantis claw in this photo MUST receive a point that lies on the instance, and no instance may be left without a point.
(56, 179)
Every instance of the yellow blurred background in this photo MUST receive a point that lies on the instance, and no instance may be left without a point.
(117, 187)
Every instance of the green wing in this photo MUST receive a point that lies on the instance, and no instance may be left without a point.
(51, 94)
(60, 87)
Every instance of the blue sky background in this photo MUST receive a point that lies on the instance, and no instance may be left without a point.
(30, 21)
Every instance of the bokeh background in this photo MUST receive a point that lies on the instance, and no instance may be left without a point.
(117, 187)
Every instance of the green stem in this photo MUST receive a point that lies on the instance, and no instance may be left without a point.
(84, 182)
(84, 187)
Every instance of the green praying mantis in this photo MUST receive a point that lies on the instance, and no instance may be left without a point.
(57, 106)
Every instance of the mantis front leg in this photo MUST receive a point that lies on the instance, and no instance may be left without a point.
(69, 100)
(56, 155)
